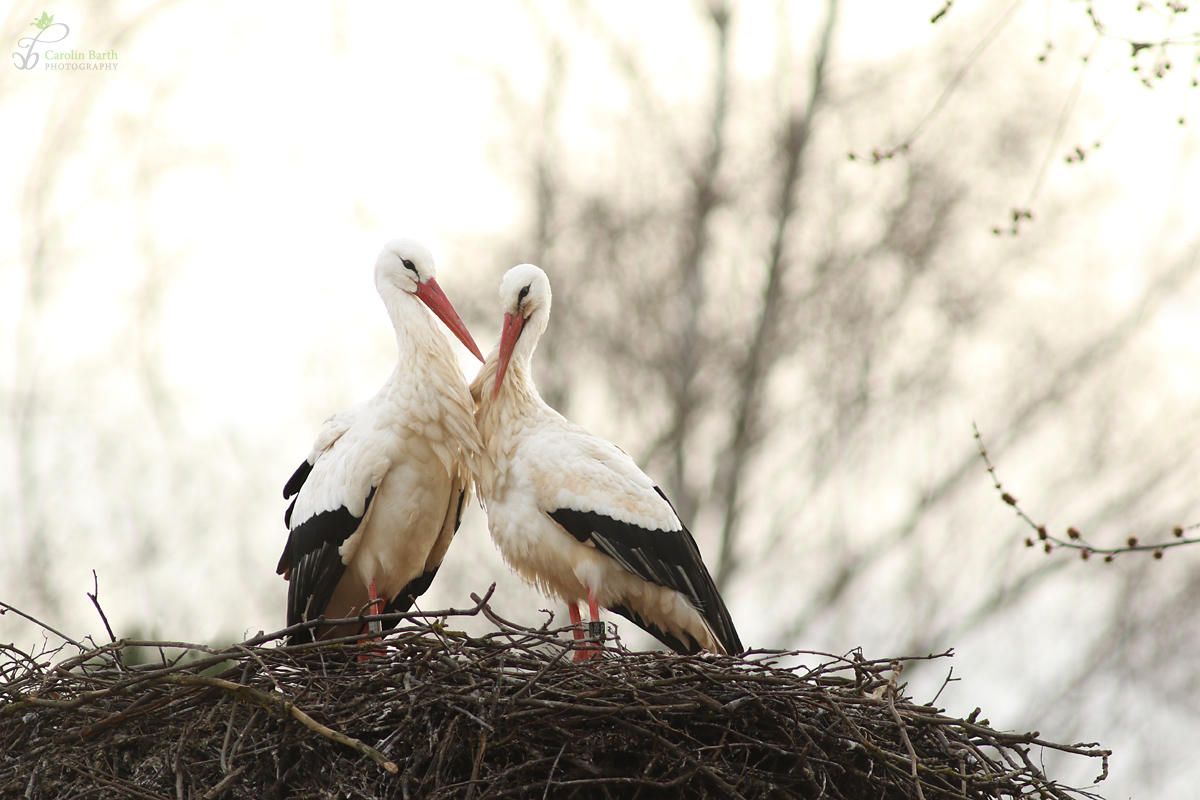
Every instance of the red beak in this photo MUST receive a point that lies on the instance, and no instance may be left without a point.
(513, 325)
(432, 295)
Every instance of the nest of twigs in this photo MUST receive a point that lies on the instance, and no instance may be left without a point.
(435, 713)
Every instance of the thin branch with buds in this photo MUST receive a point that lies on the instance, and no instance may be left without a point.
(1074, 539)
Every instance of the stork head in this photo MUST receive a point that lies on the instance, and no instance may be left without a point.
(525, 298)
(407, 265)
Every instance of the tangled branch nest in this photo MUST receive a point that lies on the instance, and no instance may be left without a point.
(434, 713)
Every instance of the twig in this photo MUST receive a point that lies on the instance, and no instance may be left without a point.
(177, 762)
(949, 679)
(882, 155)
(225, 783)
(5, 607)
(1026, 212)
(94, 596)
(266, 670)
(554, 766)
(890, 696)
(475, 765)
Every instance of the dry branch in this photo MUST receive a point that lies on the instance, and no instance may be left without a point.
(505, 714)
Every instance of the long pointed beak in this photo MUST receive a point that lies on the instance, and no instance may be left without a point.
(432, 295)
(513, 325)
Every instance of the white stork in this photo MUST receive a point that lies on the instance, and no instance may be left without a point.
(380, 496)
(572, 513)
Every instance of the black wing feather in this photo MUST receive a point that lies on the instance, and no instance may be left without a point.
(665, 558)
(292, 487)
(310, 586)
(405, 598)
(315, 565)
(690, 648)
(462, 501)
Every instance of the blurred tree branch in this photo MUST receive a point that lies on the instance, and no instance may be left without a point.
(764, 349)
(1141, 46)
(64, 441)
(682, 368)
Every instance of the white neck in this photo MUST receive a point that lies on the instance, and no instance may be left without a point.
(417, 334)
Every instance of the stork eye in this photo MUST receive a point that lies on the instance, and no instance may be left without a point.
(410, 265)
(524, 292)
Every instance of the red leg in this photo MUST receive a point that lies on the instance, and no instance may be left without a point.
(376, 600)
(577, 621)
(374, 606)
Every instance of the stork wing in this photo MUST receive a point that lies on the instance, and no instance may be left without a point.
(665, 558)
(311, 561)
(331, 431)
(597, 493)
(313, 564)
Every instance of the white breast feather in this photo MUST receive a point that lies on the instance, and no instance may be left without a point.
(422, 418)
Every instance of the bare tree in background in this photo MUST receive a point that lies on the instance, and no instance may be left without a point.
(102, 466)
(43, 264)
(797, 344)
